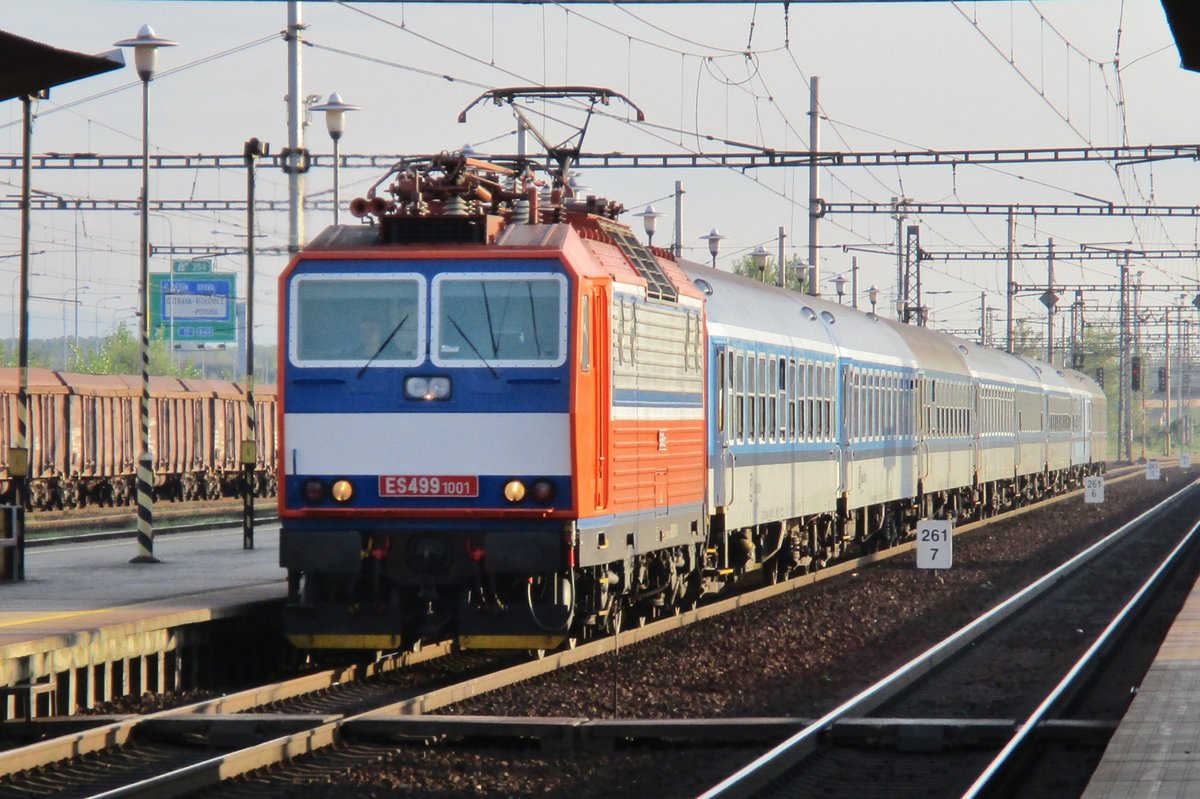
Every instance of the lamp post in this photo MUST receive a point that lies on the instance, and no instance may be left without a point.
(74, 292)
(145, 58)
(97, 306)
(873, 296)
(650, 223)
(335, 122)
(759, 257)
(839, 285)
(714, 244)
(251, 152)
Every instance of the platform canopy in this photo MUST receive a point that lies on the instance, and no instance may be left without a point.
(1184, 18)
(28, 67)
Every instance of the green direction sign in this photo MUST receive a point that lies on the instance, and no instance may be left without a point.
(192, 267)
(194, 311)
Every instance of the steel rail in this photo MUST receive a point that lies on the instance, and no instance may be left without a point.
(1083, 668)
(787, 754)
(106, 735)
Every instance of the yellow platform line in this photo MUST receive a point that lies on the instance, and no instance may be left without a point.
(66, 614)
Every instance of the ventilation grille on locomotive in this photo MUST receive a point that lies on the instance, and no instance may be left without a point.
(658, 285)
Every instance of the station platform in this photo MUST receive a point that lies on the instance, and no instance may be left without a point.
(1155, 751)
(86, 625)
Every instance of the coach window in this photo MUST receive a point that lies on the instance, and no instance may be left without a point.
(781, 404)
(849, 402)
(876, 405)
(772, 400)
(721, 389)
(824, 390)
(805, 389)
(884, 399)
(352, 319)
(791, 399)
(864, 387)
(762, 398)
(751, 397)
(886, 420)
(739, 391)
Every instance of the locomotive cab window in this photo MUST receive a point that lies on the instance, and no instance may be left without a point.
(499, 320)
(350, 320)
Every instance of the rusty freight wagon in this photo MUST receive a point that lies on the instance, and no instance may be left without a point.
(83, 437)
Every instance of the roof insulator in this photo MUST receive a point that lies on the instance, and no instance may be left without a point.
(520, 213)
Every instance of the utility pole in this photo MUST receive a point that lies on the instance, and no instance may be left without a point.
(910, 285)
(781, 277)
(1186, 402)
(983, 319)
(1179, 413)
(1009, 284)
(1167, 385)
(251, 152)
(814, 186)
(677, 245)
(1124, 434)
(1076, 336)
(854, 282)
(898, 215)
(295, 157)
(1051, 300)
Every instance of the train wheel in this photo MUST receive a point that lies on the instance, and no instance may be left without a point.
(770, 569)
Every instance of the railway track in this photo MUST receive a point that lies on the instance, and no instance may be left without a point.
(1021, 701)
(171, 752)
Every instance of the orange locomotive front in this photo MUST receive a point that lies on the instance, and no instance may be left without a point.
(492, 419)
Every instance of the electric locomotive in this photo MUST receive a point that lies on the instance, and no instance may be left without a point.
(522, 444)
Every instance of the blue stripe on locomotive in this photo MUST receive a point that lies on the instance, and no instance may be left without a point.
(340, 390)
(329, 389)
(366, 493)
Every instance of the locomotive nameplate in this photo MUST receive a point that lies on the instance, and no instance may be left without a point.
(428, 485)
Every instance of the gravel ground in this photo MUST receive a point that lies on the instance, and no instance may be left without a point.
(795, 655)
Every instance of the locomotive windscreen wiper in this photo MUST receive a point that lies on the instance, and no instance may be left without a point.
(382, 346)
(471, 344)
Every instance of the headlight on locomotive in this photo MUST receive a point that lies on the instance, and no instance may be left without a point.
(427, 388)
(543, 492)
(342, 491)
(313, 490)
(514, 491)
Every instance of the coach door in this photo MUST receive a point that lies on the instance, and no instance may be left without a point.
(594, 324)
(722, 463)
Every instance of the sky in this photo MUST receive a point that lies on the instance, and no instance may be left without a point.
(893, 77)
